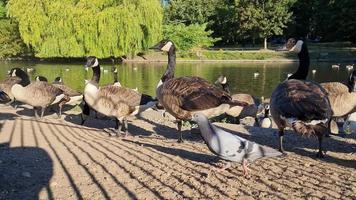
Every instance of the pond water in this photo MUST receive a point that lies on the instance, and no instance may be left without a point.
(145, 76)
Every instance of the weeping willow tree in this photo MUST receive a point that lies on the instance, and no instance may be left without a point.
(77, 28)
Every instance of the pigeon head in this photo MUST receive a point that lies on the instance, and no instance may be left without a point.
(199, 117)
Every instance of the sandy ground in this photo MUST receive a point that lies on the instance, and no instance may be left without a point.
(59, 159)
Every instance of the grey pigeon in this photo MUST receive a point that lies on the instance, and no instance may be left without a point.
(229, 146)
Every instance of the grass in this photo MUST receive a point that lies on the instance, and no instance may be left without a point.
(337, 51)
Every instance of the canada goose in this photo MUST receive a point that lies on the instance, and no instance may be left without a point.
(335, 66)
(342, 97)
(72, 94)
(58, 80)
(41, 78)
(350, 67)
(16, 76)
(113, 101)
(350, 124)
(183, 96)
(39, 94)
(300, 104)
(266, 121)
(239, 112)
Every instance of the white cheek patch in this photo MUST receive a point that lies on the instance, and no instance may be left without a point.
(224, 80)
(37, 78)
(96, 62)
(159, 83)
(297, 47)
(13, 73)
(115, 71)
(167, 47)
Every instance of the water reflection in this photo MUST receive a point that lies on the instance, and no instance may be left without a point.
(145, 76)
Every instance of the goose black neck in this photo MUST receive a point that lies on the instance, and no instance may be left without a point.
(96, 74)
(169, 74)
(226, 88)
(266, 113)
(304, 63)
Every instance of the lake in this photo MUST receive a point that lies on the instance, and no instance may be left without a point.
(145, 76)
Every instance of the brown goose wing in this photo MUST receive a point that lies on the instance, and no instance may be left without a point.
(303, 100)
(67, 90)
(115, 95)
(6, 84)
(335, 88)
(194, 93)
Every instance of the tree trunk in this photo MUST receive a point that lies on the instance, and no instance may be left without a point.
(265, 43)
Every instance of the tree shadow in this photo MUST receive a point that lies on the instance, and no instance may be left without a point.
(189, 155)
(24, 172)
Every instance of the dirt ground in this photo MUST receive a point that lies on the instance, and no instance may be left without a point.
(58, 159)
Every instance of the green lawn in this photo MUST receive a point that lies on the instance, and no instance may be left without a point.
(318, 51)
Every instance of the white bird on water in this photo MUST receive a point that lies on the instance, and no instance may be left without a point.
(229, 146)
(335, 66)
(350, 67)
(256, 74)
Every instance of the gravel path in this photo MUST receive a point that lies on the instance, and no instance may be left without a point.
(58, 159)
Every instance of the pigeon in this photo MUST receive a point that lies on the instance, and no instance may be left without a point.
(231, 147)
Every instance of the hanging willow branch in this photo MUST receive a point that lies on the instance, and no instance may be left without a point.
(77, 28)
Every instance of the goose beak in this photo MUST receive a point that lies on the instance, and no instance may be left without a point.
(156, 47)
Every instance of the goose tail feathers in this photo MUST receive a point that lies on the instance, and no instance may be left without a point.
(308, 129)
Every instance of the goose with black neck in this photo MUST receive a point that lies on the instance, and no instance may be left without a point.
(183, 96)
(113, 101)
(300, 104)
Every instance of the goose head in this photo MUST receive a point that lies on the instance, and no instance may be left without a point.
(352, 81)
(58, 79)
(294, 45)
(41, 78)
(18, 72)
(221, 80)
(164, 45)
(92, 61)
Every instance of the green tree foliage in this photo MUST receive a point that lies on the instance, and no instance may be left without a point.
(77, 28)
(329, 19)
(10, 40)
(189, 11)
(263, 17)
(189, 37)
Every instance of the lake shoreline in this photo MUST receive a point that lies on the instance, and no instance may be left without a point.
(106, 60)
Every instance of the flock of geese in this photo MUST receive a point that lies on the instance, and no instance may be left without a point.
(305, 106)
